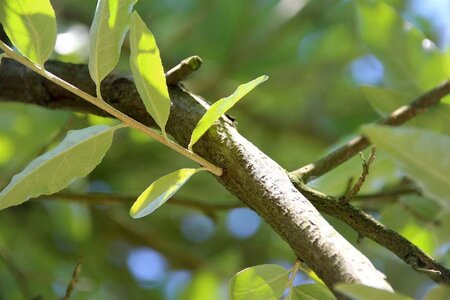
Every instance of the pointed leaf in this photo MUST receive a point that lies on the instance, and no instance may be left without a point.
(259, 282)
(108, 29)
(313, 292)
(361, 292)
(421, 153)
(148, 71)
(222, 106)
(76, 156)
(31, 27)
(160, 191)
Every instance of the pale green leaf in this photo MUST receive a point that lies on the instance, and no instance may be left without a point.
(361, 292)
(409, 66)
(222, 106)
(31, 27)
(313, 292)
(385, 101)
(259, 282)
(148, 72)
(76, 156)
(108, 30)
(160, 191)
(422, 154)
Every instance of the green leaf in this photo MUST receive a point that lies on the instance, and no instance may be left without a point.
(148, 71)
(222, 106)
(76, 156)
(160, 191)
(362, 292)
(385, 101)
(108, 29)
(421, 153)
(438, 293)
(259, 282)
(313, 292)
(409, 66)
(31, 27)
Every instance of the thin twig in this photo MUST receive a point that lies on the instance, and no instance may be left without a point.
(125, 119)
(74, 280)
(358, 144)
(362, 178)
(183, 70)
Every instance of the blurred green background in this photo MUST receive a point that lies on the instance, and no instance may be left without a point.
(317, 53)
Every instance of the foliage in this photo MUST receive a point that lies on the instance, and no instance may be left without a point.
(311, 54)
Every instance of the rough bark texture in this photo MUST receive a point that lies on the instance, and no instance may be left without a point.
(249, 174)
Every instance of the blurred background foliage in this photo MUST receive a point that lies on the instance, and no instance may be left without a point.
(317, 54)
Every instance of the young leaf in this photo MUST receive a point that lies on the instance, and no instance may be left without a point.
(160, 191)
(421, 153)
(148, 72)
(259, 282)
(361, 292)
(385, 101)
(76, 156)
(222, 106)
(108, 29)
(31, 27)
(313, 292)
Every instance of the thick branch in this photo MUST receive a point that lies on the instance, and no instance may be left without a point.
(358, 144)
(247, 172)
(367, 226)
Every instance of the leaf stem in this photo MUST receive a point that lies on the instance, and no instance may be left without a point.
(111, 110)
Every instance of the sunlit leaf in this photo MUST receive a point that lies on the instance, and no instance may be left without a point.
(259, 282)
(421, 153)
(413, 64)
(222, 106)
(31, 27)
(148, 71)
(160, 191)
(385, 101)
(76, 156)
(108, 29)
(362, 292)
(313, 292)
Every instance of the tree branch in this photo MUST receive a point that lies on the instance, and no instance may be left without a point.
(248, 173)
(367, 226)
(358, 144)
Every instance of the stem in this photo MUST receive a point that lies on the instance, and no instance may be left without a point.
(111, 110)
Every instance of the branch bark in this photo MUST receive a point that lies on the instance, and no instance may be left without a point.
(248, 173)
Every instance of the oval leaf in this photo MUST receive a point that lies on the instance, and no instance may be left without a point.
(421, 153)
(31, 27)
(259, 282)
(148, 72)
(108, 29)
(160, 191)
(362, 292)
(222, 106)
(76, 156)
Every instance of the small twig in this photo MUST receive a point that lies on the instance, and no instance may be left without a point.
(183, 70)
(294, 272)
(387, 194)
(362, 178)
(74, 280)
(16, 274)
(358, 144)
